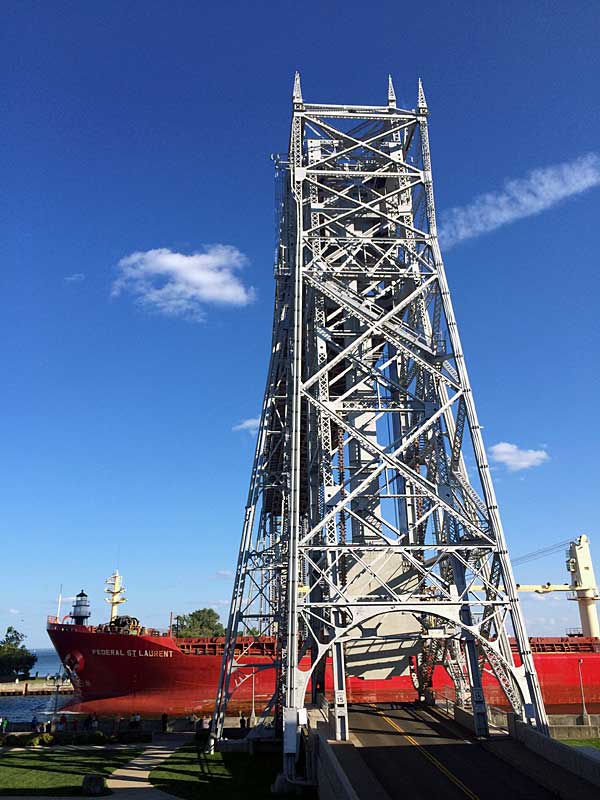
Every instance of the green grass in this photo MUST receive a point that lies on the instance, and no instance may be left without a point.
(194, 775)
(582, 742)
(57, 772)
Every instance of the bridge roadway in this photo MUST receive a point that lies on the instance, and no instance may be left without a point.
(417, 754)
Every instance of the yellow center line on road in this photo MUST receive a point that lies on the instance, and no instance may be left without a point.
(438, 764)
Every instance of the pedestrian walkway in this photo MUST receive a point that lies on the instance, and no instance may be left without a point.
(132, 782)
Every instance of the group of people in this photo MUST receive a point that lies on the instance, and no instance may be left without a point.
(60, 725)
(90, 723)
(199, 723)
(42, 727)
(135, 721)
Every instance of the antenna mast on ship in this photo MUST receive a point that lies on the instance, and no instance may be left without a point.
(114, 589)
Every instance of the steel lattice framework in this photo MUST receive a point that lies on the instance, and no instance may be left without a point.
(371, 498)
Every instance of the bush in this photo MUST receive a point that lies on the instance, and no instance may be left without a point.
(93, 785)
(80, 737)
(64, 737)
(132, 737)
(22, 740)
(69, 737)
(35, 739)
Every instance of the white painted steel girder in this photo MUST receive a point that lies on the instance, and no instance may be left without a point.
(371, 495)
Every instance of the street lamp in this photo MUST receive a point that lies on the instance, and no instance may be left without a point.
(585, 717)
(253, 714)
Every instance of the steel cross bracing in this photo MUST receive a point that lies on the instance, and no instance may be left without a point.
(371, 513)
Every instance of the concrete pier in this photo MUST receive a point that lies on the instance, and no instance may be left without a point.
(35, 686)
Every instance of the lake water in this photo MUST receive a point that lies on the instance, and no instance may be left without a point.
(48, 663)
(22, 709)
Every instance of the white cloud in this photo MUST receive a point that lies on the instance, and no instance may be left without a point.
(251, 425)
(548, 615)
(13, 611)
(180, 285)
(76, 277)
(224, 573)
(521, 197)
(547, 599)
(516, 459)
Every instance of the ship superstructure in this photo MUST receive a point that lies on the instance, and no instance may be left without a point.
(116, 593)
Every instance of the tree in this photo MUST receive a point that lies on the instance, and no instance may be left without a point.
(13, 638)
(15, 659)
(202, 622)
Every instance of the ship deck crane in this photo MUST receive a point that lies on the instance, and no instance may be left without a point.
(583, 587)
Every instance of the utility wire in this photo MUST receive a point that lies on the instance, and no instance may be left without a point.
(535, 554)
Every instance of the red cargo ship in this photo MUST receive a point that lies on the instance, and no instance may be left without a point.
(122, 668)
(151, 672)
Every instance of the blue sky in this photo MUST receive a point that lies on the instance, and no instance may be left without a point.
(141, 126)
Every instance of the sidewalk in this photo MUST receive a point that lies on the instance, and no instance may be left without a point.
(132, 780)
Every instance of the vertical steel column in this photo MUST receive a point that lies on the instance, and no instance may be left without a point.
(363, 531)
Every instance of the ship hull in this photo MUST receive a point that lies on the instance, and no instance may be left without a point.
(115, 673)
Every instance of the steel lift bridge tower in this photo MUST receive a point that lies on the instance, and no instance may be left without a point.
(371, 534)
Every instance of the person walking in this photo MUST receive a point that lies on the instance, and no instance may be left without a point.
(164, 722)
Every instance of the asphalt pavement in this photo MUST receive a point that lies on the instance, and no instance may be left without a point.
(418, 755)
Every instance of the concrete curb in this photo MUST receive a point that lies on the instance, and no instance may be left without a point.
(563, 755)
(558, 781)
